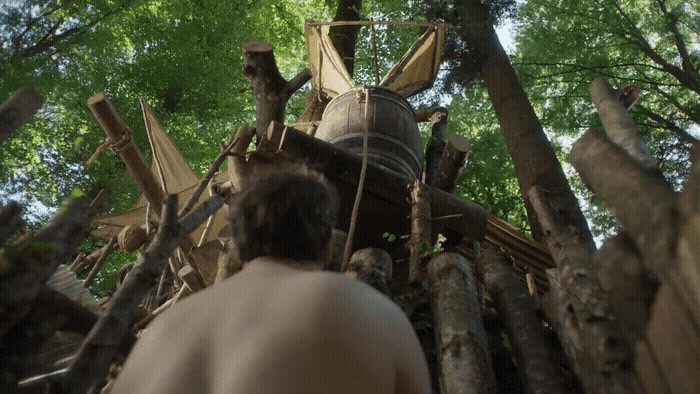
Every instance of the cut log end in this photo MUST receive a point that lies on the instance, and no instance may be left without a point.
(459, 142)
(101, 96)
(256, 46)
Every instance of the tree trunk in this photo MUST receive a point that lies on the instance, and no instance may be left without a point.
(641, 199)
(462, 346)
(618, 122)
(533, 157)
(580, 309)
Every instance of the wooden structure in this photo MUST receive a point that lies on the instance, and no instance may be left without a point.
(611, 307)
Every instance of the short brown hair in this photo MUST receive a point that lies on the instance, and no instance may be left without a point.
(288, 214)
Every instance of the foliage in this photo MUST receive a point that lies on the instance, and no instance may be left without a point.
(563, 45)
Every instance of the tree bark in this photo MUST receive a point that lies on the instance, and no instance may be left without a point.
(372, 266)
(582, 313)
(453, 159)
(462, 346)
(537, 365)
(618, 123)
(98, 264)
(630, 288)
(533, 157)
(421, 233)
(641, 199)
(17, 110)
(270, 90)
(237, 169)
(91, 364)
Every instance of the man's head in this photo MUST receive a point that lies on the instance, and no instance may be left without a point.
(288, 214)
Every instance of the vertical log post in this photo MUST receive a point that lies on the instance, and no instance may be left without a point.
(453, 159)
(436, 144)
(270, 90)
(372, 266)
(237, 169)
(462, 345)
(537, 364)
(421, 232)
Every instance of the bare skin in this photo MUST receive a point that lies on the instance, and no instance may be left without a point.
(275, 327)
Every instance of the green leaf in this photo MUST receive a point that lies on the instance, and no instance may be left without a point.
(77, 193)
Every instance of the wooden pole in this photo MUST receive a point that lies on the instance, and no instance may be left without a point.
(372, 266)
(618, 122)
(98, 264)
(237, 169)
(465, 361)
(270, 90)
(641, 198)
(17, 110)
(436, 145)
(27, 267)
(452, 161)
(577, 296)
(123, 145)
(537, 364)
(421, 233)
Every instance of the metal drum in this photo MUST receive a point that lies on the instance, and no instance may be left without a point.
(394, 139)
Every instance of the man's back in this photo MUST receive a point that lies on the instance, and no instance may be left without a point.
(276, 328)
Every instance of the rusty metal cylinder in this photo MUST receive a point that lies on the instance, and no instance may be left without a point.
(394, 138)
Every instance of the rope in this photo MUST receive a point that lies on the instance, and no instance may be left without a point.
(363, 93)
(123, 143)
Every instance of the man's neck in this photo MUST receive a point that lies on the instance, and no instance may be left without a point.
(303, 265)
